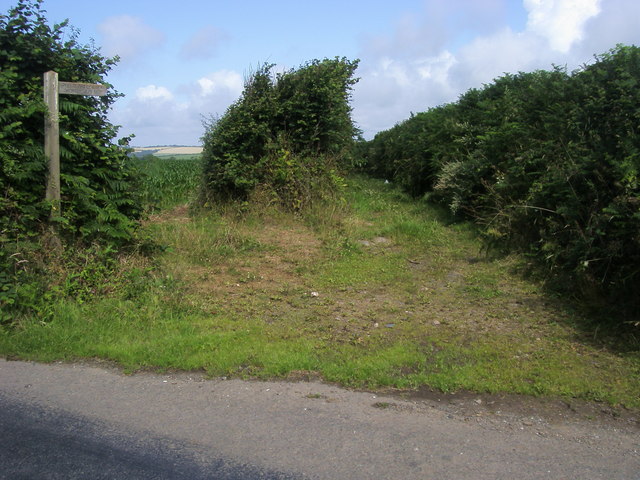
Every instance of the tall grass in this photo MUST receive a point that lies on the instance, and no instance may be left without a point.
(167, 182)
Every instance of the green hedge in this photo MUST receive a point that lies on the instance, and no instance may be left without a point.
(546, 162)
(285, 134)
(97, 185)
(99, 198)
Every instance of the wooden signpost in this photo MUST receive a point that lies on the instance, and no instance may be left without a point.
(52, 89)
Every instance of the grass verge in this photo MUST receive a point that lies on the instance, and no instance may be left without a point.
(381, 293)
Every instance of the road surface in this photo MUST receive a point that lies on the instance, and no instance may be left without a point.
(92, 421)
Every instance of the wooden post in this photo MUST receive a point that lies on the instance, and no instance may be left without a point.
(52, 141)
(52, 129)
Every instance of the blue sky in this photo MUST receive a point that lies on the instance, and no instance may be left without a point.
(185, 60)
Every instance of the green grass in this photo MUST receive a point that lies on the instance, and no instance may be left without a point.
(180, 157)
(384, 293)
(167, 182)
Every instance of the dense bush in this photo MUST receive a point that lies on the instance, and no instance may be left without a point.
(288, 135)
(547, 162)
(98, 195)
(413, 152)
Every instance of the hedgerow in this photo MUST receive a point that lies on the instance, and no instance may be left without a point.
(99, 203)
(546, 162)
(289, 135)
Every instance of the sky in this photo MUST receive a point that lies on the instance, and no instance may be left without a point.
(183, 62)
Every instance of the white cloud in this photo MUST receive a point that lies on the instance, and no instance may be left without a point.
(159, 121)
(616, 23)
(436, 68)
(486, 58)
(422, 62)
(158, 115)
(561, 22)
(417, 67)
(390, 89)
(152, 92)
(394, 70)
(223, 81)
(441, 22)
(410, 69)
(128, 37)
(204, 43)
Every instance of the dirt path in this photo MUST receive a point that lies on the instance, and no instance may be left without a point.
(321, 431)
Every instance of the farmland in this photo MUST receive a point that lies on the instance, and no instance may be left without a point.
(169, 151)
(167, 181)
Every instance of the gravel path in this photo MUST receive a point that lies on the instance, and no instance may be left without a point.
(305, 429)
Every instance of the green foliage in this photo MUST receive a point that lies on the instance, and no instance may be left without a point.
(99, 198)
(167, 182)
(97, 188)
(312, 107)
(547, 162)
(412, 152)
(286, 135)
(39, 276)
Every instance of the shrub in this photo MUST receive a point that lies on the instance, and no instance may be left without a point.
(97, 184)
(285, 134)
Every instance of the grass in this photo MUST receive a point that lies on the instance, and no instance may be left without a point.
(180, 156)
(382, 293)
(166, 181)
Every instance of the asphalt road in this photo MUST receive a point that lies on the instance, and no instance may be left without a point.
(45, 443)
(80, 421)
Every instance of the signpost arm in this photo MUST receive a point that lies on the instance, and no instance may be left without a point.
(52, 141)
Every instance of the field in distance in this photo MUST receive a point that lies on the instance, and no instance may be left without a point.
(167, 150)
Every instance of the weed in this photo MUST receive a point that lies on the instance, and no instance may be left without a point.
(315, 395)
